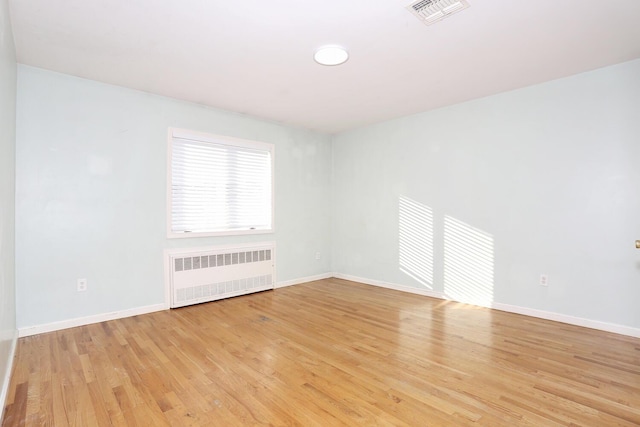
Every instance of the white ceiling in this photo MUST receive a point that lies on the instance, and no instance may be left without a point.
(256, 57)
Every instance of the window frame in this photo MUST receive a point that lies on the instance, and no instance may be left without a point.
(222, 140)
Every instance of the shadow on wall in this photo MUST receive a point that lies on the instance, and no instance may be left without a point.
(468, 254)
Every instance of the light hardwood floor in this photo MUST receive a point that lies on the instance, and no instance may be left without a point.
(326, 353)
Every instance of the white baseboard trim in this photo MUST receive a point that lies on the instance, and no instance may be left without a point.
(303, 280)
(6, 379)
(557, 317)
(571, 320)
(541, 314)
(394, 286)
(81, 321)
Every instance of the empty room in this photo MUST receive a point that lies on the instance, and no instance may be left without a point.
(337, 213)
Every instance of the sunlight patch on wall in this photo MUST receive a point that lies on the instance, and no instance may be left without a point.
(468, 263)
(416, 240)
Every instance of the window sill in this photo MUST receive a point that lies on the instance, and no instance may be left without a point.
(172, 235)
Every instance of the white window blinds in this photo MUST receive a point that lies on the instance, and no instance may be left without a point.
(220, 185)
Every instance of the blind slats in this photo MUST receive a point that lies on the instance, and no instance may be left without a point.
(220, 187)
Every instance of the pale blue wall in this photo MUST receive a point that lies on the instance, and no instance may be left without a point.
(91, 194)
(549, 172)
(7, 191)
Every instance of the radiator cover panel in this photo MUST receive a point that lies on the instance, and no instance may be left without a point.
(209, 274)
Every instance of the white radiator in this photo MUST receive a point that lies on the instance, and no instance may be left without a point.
(208, 274)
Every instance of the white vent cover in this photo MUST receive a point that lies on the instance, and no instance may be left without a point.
(207, 274)
(432, 11)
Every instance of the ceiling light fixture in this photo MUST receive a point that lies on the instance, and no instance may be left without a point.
(431, 11)
(331, 55)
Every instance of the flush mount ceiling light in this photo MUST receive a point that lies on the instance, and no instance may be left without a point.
(432, 11)
(331, 55)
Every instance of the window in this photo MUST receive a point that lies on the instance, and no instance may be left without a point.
(218, 185)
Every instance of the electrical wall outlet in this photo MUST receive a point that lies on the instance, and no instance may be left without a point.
(544, 280)
(317, 255)
(82, 285)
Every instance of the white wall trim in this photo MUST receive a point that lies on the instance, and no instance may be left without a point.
(7, 375)
(571, 320)
(557, 317)
(81, 321)
(532, 312)
(304, 280)
(402, 288)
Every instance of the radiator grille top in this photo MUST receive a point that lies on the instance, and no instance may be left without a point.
(220, 260)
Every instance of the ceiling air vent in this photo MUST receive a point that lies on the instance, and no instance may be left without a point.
(431, 11)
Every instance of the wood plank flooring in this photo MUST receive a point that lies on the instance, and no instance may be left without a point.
(326, 353)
